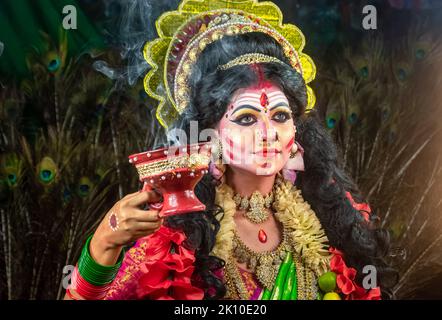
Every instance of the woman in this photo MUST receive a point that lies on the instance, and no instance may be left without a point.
(279, 207)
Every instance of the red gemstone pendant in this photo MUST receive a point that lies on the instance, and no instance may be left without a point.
(262, 236)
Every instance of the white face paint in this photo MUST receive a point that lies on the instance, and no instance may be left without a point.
(257, 131)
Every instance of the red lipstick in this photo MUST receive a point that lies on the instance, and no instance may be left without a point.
(271, 152)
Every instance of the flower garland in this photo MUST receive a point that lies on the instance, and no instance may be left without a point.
(307, 237)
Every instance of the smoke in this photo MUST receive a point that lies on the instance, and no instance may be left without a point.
(2, 46)
(130, 24)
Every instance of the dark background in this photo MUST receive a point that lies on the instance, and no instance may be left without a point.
(72, 108)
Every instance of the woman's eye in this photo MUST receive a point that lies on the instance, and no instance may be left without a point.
(245, 120)
(281, 116)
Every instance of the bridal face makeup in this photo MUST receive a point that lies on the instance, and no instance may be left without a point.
(257, 131)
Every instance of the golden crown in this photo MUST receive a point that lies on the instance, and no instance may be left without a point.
(184, 33)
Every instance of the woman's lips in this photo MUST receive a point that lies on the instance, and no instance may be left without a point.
(268, 152)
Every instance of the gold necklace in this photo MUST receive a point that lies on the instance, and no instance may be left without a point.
(258, 204)
(265, 264)
(236, 289)
(306, 238)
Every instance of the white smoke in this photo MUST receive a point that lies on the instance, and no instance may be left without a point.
(131, 23)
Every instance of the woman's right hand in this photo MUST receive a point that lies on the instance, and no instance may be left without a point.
(124, 223)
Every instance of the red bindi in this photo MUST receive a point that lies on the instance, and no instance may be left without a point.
(113, 221)
(264, 100)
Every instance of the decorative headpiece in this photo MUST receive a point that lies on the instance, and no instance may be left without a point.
(249, 58)
(183, 35)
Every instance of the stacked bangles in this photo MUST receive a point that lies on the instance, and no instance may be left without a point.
(90, 279)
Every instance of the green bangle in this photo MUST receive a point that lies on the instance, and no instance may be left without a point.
(94, 273)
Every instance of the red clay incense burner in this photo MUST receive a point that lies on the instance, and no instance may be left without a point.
(174, 172)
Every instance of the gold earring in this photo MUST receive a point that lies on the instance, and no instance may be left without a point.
(294, 150)
(217, 150)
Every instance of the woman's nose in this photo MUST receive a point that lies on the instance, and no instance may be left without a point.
(268, 133)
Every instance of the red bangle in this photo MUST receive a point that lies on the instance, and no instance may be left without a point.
(70, 295)
(87, 290)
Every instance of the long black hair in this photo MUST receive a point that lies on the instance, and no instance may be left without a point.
(323, 183)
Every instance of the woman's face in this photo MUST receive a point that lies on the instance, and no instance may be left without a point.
(257, 131)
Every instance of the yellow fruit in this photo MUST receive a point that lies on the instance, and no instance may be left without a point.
(331, 296)
(327, 282)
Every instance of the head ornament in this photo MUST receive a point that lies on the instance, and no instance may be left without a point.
(183, 34)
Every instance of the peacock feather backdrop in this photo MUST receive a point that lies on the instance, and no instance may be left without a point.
(73, 106)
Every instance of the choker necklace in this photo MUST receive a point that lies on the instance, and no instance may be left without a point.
(257, 207)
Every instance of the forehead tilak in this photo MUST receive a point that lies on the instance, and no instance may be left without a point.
(257, 97)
